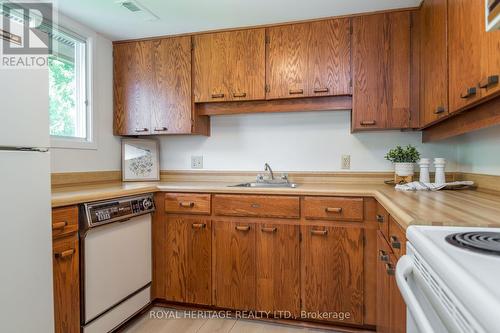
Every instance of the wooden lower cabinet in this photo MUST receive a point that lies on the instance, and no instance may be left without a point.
(278, 269)
(234, 265)
(187, 258)
(66, 284)
(332, 272)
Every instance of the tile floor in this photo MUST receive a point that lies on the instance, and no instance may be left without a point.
(182, 324)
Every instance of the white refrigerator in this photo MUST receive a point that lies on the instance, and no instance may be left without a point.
(26, 301)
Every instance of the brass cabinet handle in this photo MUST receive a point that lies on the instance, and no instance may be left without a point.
(390, 269)
(64, 254)
(383, 256)
(217, 95)
(240, 94)
(59, 225)
(242, 227)
(379, 218)
(395, 243)
(255, 205)
(469, 93)
(321, 90)
(160, 129)
(333, 209)
(319, 232)
(141, 130)
(186, 204)
(489, 81)
(367, 122)
(198, 225)
(439, 109)
(264, 229)
(296, 91)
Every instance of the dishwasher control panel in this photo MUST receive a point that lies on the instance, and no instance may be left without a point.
(115, 210)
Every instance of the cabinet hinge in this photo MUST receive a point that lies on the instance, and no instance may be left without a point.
(192, 45)
(350, 82)
(268, 39)
(351, 29)
(300, 237)
(267, 88)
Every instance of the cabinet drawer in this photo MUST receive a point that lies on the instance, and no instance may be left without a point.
(382, 218)
(64, 221)
(397, 238)
(333, 208)
(187, 203)
(257, 205)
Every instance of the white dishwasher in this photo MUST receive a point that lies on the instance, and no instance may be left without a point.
(115, 261)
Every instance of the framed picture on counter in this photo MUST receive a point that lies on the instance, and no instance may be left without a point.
(140, 160)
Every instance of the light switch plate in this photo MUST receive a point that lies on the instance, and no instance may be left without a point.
(345, 162)
(196, 162)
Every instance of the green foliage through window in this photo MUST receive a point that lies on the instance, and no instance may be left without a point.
(62, 97)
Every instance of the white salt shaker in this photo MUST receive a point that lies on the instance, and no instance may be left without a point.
(439, 164)
(424, 164)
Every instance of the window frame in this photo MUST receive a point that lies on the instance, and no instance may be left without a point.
(90, 142)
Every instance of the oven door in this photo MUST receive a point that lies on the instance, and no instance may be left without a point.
(117, 264)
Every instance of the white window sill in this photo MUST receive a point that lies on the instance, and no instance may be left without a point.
(72, 143)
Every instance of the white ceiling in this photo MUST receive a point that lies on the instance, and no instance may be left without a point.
(181, 16)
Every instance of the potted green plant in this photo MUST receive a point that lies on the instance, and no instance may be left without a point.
(404, 160)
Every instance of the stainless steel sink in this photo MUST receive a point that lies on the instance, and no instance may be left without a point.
(267, 185)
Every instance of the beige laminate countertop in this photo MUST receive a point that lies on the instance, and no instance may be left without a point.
(452, 208)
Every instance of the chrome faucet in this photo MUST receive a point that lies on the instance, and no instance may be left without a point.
(267, 167)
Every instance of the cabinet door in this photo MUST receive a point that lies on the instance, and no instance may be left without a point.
(133, 90)
(66, 285)
(247, 65)
(278, 268)
(466, 44)
(490, 79)
(383, 285)
(171, 86)
(188, 260)
(381, 71)
(234, 262)
(329, 59)
(332, 272)
(288, 61)
(397, 306)
(434, 63)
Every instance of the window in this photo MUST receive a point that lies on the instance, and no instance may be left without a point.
(69, 112)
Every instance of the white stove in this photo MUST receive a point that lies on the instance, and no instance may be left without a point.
(450, 279)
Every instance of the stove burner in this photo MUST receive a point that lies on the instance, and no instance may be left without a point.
(484, 242)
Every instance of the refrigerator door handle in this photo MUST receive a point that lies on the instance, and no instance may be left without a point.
(404, 268)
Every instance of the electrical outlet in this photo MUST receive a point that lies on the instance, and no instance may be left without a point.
(196, 162)
(345, 162)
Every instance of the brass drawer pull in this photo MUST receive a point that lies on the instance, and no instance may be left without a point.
(59, 225)
(239, 94)
(383, 256)
(395, 243)
(469, 93)
(439, 109)
(319, 232)
(390, 269)
(255, 205)
(380, 218)
(185, 204)
(489, 81)
(269, 229)
(161, 129)
(198, 225)
(242, 227)
(141, 130)
(64, 254)
(367, 122)
(321, 90)
(217, 95)
(333, 210)
(296, 91)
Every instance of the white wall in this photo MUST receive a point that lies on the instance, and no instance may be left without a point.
(479, 152)
(305, 141)
(107, 155)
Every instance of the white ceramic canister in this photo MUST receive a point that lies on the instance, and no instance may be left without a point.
(439, 164)
(424, 164)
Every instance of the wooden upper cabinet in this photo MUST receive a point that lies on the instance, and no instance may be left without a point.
(490, 78)
(152, 87)
(381, 71)
(309, 59)
(229, 66)
(434, 61)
